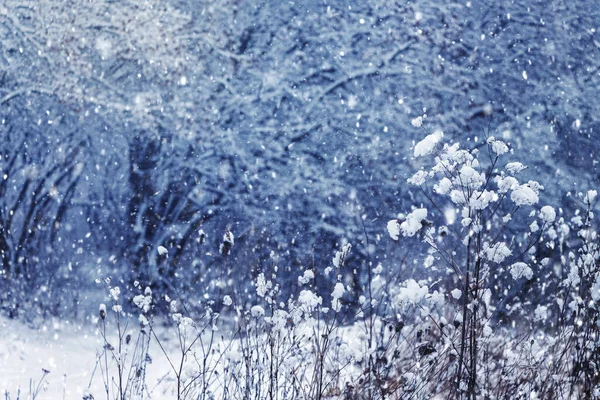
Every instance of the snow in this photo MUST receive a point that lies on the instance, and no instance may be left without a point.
(340, 256)
(418, 178)
(480, 200)
(412, 293)
(427, 145)
(393, 228)
(443, 186)
(295, 150)
(162, 251)
(498, 146)
(413, 222)
(497, 252)
(429, 261)
(143, 302)
(417, 122)
(228, 238)
(378, 269)
(68, 351)
(547, 214)
(104, 47)
(590, 196)
(458, 197)
(595, 291)
(506, 184)
(309, 299)
(307, 277)
(262, 285)
(534, 227)
(338, 292)
(524, 195)
(278, 320)
(521, 270)
(257, 311)
(115, 292)
(469, 177)
(514, 167)
(70, 355)
(540, 313)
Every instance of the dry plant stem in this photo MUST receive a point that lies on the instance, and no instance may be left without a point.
(163, 350)
(106, 382)
(119, 360)
(35, 392)
(370, 292)
(465, 315)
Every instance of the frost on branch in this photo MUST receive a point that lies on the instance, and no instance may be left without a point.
(469, 177)
(115, 292)
(262, 285)
(309, 299)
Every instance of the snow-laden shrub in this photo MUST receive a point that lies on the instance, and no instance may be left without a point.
(488, 315)
(479, 253)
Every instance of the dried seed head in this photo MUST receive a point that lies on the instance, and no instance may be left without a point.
(103, 311)
(227, 243)
(162, 251)
(340, 256)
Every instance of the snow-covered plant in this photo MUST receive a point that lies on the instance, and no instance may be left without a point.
(124, 356)
(577, 303)
(472, 196)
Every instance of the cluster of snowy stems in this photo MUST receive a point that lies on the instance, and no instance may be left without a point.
(272, 348)
(195, 338)
(296, 349)
(578, 305)
(472, 201)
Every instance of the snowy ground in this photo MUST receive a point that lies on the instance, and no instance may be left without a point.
(67, 351)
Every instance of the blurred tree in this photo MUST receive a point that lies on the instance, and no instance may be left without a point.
(284, 122)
